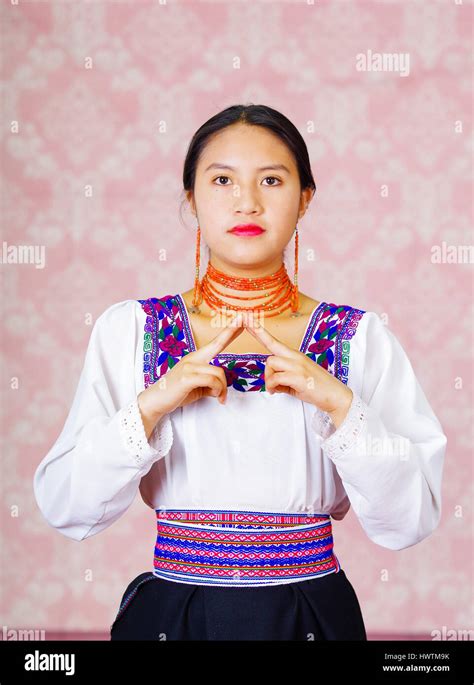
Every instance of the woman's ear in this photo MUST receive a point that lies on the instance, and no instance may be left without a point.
(190, 199)
(306, 197)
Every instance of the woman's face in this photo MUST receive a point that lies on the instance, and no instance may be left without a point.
(246, 193)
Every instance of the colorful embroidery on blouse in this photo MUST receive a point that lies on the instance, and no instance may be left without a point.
(168, 337)
(330, 336)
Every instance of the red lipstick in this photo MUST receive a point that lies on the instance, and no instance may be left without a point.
(247, 230)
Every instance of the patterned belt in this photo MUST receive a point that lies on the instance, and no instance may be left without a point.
(240, 548)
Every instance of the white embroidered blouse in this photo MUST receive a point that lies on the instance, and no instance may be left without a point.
(258, 452)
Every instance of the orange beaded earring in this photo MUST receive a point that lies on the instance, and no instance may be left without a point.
(197, 299)
(295, 298)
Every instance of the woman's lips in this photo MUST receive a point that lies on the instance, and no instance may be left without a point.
(247, 230)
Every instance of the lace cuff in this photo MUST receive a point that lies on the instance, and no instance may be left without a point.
(134, 437)
(345, 436)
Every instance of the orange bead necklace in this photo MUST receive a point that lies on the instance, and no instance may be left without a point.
(284, 294)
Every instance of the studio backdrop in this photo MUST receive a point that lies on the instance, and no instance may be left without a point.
(101, 101)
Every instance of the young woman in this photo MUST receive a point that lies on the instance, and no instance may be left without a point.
(249, 415)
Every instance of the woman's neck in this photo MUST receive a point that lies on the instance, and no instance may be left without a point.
(230, 295)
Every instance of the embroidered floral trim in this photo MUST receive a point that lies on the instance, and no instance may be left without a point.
(330, 342)
(134, 437)
(243, 372)
(168, 338)
(345, 436)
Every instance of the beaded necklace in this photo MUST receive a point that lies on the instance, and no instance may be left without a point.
(284, 295)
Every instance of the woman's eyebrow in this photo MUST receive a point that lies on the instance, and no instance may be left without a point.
(269, 167)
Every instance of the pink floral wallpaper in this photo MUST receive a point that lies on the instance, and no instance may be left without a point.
(100, 101)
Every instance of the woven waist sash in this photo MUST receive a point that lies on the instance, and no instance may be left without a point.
(241, 548)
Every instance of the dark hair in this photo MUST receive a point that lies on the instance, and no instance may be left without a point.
(254, 115)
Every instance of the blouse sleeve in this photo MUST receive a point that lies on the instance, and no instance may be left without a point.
(92, 473)
(389, 450)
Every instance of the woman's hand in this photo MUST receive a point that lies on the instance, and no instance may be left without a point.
(192, 377)
(291, 371)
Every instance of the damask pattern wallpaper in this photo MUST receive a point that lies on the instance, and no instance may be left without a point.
(101, 100)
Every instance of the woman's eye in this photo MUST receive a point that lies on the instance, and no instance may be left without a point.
(274, 178)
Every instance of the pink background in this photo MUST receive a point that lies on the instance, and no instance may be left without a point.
(175, 63)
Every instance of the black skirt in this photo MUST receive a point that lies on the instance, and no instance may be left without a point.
(324, 608)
